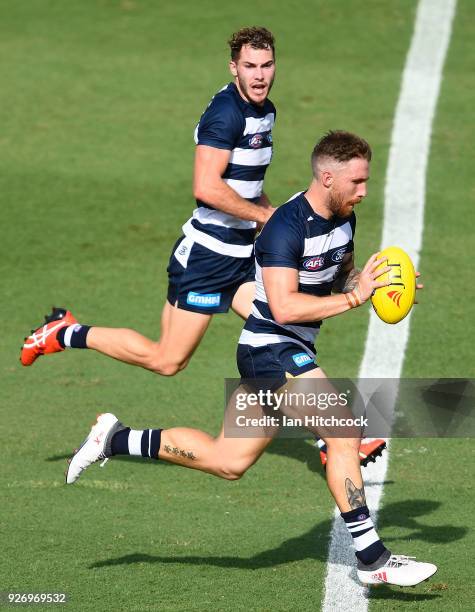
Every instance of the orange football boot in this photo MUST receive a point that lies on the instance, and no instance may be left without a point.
(369, 450)
(43, 340)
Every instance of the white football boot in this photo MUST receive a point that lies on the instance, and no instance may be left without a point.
(398, 569)
(95, 447)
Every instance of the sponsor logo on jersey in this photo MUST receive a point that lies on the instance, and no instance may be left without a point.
(395, 296)
(269, 137)
(314, 263)
(301, 359)
(338, 255)
(203, 300)
(183, 249)
(256, 141)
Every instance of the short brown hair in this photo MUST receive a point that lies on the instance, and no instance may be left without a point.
(340, 146)
(256, 37)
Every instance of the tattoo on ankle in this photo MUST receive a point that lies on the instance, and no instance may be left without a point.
(356, 497)
(173, 450)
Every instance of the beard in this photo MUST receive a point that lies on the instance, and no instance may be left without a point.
(338, 206)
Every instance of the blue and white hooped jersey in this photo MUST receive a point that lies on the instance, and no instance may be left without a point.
(297, 237)
(245, 129)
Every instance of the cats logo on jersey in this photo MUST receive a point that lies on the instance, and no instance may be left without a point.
(394, 302)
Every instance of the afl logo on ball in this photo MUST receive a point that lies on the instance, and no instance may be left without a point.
(314, 263)
(256, 141)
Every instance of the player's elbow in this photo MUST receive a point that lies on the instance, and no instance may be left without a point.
(280, 318)
(198, 192)
(203, 191)
(283, 308)
(283, 316)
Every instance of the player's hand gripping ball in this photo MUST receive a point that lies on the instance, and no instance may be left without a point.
(394, 302)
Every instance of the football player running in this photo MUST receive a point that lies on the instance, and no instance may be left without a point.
(303, 253)
(211, 268)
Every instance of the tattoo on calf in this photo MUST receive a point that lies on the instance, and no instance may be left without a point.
(356, 497)
(173, 450)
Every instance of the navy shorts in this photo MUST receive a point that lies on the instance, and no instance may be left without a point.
(203, 281)
(268, 367)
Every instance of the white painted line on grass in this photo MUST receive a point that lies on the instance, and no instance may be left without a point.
(402, 226)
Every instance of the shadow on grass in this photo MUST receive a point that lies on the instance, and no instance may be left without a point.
(304, 451)
(313, 544)
(299, 449)
(390, 594)
(405, 514)
(61, 457)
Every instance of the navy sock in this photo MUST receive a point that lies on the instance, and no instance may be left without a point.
(369, 547)
(73, 336)
(137, 442)
(120, 442)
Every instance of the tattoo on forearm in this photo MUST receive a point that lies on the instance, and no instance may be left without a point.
(356, 497)
(173, 450)
(351, 281)
(346, 281)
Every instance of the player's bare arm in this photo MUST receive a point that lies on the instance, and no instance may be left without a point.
(209, 187)
(290, 306)
(347, 278)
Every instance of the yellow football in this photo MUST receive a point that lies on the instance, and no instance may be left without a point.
(394, 302)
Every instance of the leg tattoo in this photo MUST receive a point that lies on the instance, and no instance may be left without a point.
(172, 450)
(356, 497)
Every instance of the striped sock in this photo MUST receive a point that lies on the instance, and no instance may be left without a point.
(73, 336)
(137, 442)
(369, 547)
(321, 444)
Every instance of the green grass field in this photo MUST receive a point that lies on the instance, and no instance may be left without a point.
(98, 106)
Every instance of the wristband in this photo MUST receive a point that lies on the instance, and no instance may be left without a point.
(353, 298)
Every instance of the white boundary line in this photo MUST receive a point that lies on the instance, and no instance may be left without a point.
(403, 226)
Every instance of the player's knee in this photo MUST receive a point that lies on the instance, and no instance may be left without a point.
(167, 366)
(343, 445)
(230, 474)
(233, 470)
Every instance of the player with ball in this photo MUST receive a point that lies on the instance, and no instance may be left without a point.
(305, 273)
